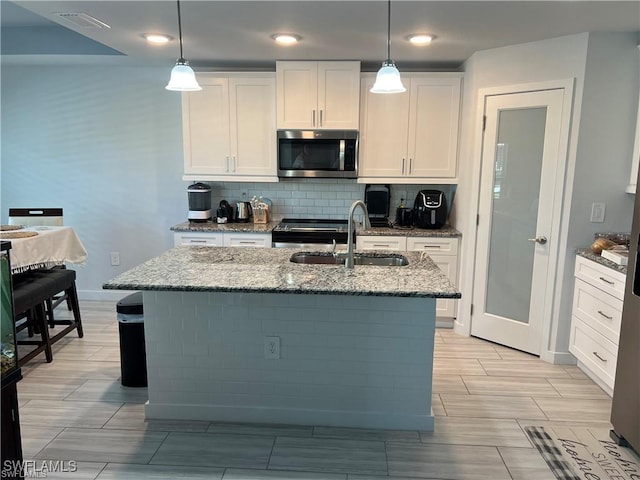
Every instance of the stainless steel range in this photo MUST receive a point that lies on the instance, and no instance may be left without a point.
(308, 233)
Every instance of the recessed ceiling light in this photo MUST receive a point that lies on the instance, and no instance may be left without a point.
(157, 38)
(421, 38)
(286, 38)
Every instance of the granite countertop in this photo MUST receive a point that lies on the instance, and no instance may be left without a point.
(266, 270)
(212, 227)
(445, 231)
(587, 253)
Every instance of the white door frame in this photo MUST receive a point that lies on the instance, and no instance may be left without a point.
(557, 251)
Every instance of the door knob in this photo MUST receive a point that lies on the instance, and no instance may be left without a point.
(541, 240)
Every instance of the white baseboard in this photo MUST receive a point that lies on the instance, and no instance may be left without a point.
(103, 295)
(558, 358)
(444, 322)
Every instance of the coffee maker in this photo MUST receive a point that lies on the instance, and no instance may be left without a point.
(199, 202)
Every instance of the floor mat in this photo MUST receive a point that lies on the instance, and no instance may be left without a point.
(577, 454)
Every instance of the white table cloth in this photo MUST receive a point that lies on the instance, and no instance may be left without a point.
(52, 246)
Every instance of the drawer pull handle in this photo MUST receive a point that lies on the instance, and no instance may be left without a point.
(607, 281)
(599, 357)
(379, 245)
(246, 242)
(605, 315)
(193, 240)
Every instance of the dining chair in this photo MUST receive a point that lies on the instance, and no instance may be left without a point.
(49, 217)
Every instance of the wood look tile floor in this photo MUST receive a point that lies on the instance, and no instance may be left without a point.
(483, 397)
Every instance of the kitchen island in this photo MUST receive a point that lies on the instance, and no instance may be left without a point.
(245, 335)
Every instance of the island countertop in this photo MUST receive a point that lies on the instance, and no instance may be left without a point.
(236, 269)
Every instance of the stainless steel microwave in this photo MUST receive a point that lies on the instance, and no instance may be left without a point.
(318, 153)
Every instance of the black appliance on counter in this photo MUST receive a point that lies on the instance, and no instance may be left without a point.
(309, 233)
(224, 214)
(430, 209)
(377, 199)
(404, 217)
(199, 202)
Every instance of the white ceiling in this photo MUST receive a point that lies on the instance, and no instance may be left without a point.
(236, 33)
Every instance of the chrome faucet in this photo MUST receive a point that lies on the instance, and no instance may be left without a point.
(358, 203)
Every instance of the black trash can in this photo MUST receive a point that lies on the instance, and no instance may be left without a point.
(133, 356)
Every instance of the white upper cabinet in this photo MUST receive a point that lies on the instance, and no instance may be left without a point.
(229, 128)
(318, 95)
(411, 136)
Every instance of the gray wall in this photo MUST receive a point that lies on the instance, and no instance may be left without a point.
(104, 143)
(609, 100)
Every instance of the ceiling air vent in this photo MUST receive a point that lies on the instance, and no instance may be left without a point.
(82, 20)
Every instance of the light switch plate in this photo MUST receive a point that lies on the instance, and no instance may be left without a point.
(597, 212)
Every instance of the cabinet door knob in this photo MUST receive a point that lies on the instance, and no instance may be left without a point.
(403, 166)
(321, 118)
(313, 118)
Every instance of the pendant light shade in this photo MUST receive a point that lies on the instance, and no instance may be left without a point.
(183, 79)
(388, 78)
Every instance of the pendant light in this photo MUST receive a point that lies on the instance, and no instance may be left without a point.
(183, 79)
(388, 77)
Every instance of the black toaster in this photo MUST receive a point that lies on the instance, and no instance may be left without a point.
(430, 209)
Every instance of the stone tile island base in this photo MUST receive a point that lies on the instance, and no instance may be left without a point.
(345, 360)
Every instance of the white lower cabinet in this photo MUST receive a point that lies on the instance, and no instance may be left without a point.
(443, 251)
(197, 238)
(595, 322)
(376, 242)
(259, 240)
(223, 239)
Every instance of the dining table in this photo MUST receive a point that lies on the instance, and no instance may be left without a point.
(34, 247)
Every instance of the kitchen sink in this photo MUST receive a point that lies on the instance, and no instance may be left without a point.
(326, 258)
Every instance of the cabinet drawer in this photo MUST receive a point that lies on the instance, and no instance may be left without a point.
(375, 242)
(601, 277)
(196, 238)
(597, 309)
(435, 245)
(247, 240)
(595, 351)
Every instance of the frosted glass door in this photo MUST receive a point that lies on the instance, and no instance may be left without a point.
(519, 169)
(514, 213)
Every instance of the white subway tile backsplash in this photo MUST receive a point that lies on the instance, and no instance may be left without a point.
(287, 196)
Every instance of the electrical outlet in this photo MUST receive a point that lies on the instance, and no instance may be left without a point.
(115, 259)
(271, 348)
(597, 212)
